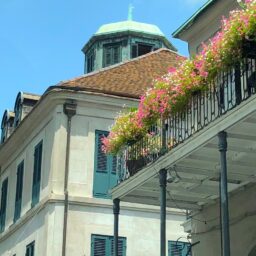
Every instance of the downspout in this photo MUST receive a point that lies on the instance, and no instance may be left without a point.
(69, 109)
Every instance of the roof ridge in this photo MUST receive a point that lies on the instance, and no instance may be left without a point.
(102, 70)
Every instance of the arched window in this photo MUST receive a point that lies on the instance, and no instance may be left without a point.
(18, 109)
(7, 125)
(4, 126)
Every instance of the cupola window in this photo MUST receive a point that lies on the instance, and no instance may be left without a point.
(112, 54)
(141, 49)
(90, 61)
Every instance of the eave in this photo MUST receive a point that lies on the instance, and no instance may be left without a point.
(197, 162)
(193, 18)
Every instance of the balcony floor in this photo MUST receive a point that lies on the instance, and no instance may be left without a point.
(196, 162)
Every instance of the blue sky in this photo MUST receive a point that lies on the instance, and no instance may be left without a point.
(41, 40)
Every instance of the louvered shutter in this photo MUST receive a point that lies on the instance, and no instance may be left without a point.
(99, 246)
(37, 173)
(107, 56)
(178, 249)
(101, 176)
(113, 171)
(105, 168)
(116, 54)
(3, 204)
(121, 246)
(19, 188)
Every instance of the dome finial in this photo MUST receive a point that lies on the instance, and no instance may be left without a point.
(131, 7)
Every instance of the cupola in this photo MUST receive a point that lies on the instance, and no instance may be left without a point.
(121, 41)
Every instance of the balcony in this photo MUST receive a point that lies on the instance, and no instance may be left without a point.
(186, 145)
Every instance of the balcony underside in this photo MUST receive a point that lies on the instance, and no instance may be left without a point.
(196, 162)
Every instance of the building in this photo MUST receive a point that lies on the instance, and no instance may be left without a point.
(54, 178)
(195, 168)
(204, 24)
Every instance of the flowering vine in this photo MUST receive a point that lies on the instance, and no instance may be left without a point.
(173, 91)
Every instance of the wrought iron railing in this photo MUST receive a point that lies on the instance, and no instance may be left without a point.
(226, 92)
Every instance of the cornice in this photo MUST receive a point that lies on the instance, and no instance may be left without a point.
(40, 115)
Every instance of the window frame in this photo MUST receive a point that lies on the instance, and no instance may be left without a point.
(30, 246)
(184, 245)
(109, 244)
(111, 47)
(37, 173)
(3, 206)
(136, 44)
(90, 61)
(19, 191)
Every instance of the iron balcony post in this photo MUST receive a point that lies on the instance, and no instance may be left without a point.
(164, 144)
(238, 90)
(116, 210)
(163, 183)
(224, 194)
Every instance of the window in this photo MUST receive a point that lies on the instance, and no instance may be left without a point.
(140, 49)
(17, 117)
(90, 61)
(4, 127)
(3, 136)
(105, 168)
(176, 248)
(37, 173)
(104, 246)
(111, 54)
(19, 188)
(30, 249)
(3, 204)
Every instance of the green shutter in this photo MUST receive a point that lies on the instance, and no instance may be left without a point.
(121, 246)
(37, 174)
(178, 248)
(104, 246)
(19, 188)
(100, 183)
(105, 174)
(116, 54)
(112, 54)
(99, 245)
(113, 171)
(3, 204)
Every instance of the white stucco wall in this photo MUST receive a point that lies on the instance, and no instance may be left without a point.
(84, 125)
(140, 227)
(33, 222)
(207, 24)
(87, 215)
(25, 151)
(242, 212)
(39, 228)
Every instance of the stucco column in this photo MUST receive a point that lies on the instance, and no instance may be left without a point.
(116, 211)
(224, 194)
(163, 183)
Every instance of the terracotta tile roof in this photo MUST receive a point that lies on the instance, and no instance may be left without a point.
(128, 79)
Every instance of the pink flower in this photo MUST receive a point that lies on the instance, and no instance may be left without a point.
(171, 92)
